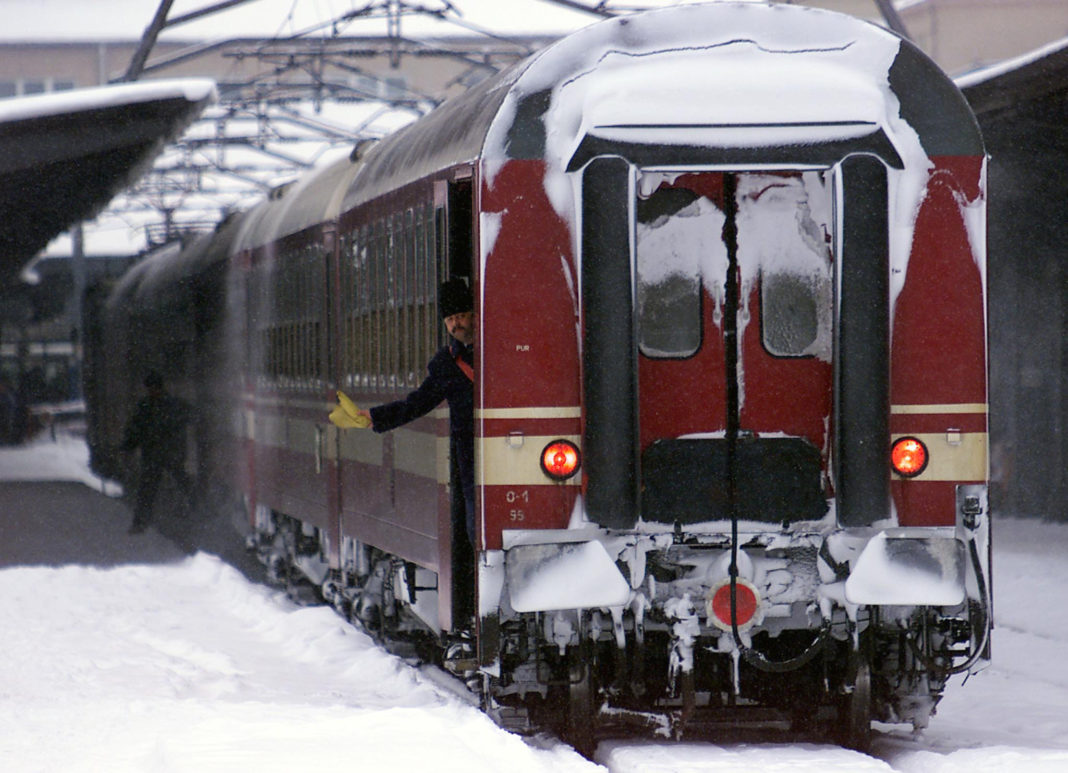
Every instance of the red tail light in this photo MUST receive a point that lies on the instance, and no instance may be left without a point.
(908, 457)
(560, 459)
(719, 606)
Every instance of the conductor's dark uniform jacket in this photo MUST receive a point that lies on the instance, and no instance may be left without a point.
(445, 380)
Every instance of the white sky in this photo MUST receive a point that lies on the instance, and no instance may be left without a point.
(126, 19)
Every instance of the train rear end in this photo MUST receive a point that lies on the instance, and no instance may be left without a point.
(732, 429)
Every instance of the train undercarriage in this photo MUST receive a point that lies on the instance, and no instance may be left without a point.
(672, 661)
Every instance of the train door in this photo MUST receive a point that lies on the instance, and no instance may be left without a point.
(734, 290)
(456, 260)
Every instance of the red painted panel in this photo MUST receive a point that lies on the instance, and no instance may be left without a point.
(938, 353)
(394, 538)
(530, 350)
(925, 503)
(411, 529)
(791, 395)
(526, 507)
(392, 509)
(685, 396)
(364, 490)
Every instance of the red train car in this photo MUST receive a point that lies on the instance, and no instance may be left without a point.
(728, 263)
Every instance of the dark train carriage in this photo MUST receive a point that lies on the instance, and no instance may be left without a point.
(108, 374)
(168, 314)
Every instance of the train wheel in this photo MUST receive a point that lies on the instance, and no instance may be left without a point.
(582, 696)
(580, 712)
(854, 717)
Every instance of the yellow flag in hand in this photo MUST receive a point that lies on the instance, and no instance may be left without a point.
(346, 415)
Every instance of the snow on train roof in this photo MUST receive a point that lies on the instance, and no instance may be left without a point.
(735, 84)
(313, 199)
(453, 133)
(733, 74)
(737, 74)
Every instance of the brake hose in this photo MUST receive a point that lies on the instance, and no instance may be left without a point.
(984, 607)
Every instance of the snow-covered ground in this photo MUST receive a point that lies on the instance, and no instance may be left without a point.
(144, 656)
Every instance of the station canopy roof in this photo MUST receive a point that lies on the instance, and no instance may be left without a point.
(65, 155)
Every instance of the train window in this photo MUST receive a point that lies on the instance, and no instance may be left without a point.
(674, 236)
(288, 347)
(407, 299)
(437, 271)
(277, 351)
(289, 365)
(381, 321)
(376, 283)
(298, 367)
(274, 369)
(346, 270)
(366, 319)
(357, 288)
(362, 342)
(268, 347)
(460, 224)
(420, 255)
(258, 293)
(783, 228)
(282, 354)
(409, 257)
(292, 345)
(317, 347)
(305, 354)
(419, 353)
(301, 353)
(320, 356)
(395, 268)
(409, 310)
(789, 313)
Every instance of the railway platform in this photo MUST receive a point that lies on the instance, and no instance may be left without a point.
(56, 523)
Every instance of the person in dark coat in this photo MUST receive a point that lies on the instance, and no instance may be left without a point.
(450, 377)
(157, 427)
